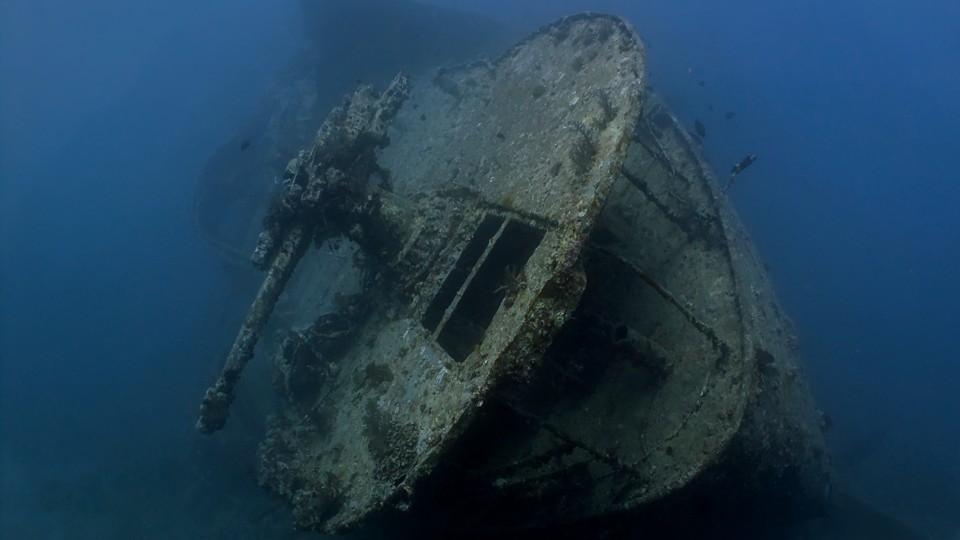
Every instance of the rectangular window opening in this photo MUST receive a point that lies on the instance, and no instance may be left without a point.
(455, 279)
(497, 276)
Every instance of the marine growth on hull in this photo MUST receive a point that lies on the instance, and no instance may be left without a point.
(545, 311)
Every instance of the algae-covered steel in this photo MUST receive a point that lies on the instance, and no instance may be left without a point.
(498, 170)
(543, 268)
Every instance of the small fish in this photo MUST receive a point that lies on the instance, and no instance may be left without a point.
(698, 126)
(710, 107)
(702, 83)
(245, 144)
(729, 115)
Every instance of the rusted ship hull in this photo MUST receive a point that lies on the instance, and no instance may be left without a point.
(675, 382)
(548, 312)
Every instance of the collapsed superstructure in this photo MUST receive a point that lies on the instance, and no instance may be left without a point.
(545, 307)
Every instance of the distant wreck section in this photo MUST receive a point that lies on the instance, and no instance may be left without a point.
(549, 314)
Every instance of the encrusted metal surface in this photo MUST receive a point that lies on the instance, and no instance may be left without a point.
(677, 367)
(498, 170)
(549, 310)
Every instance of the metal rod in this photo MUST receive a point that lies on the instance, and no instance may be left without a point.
(215, 407)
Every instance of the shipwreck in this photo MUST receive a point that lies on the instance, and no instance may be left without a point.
(544, 310)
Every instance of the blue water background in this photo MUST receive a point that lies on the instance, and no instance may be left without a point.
(113, 314)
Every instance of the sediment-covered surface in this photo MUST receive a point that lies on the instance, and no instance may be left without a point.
(551, 312)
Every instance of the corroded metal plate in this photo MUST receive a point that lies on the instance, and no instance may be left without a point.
(497, 171)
